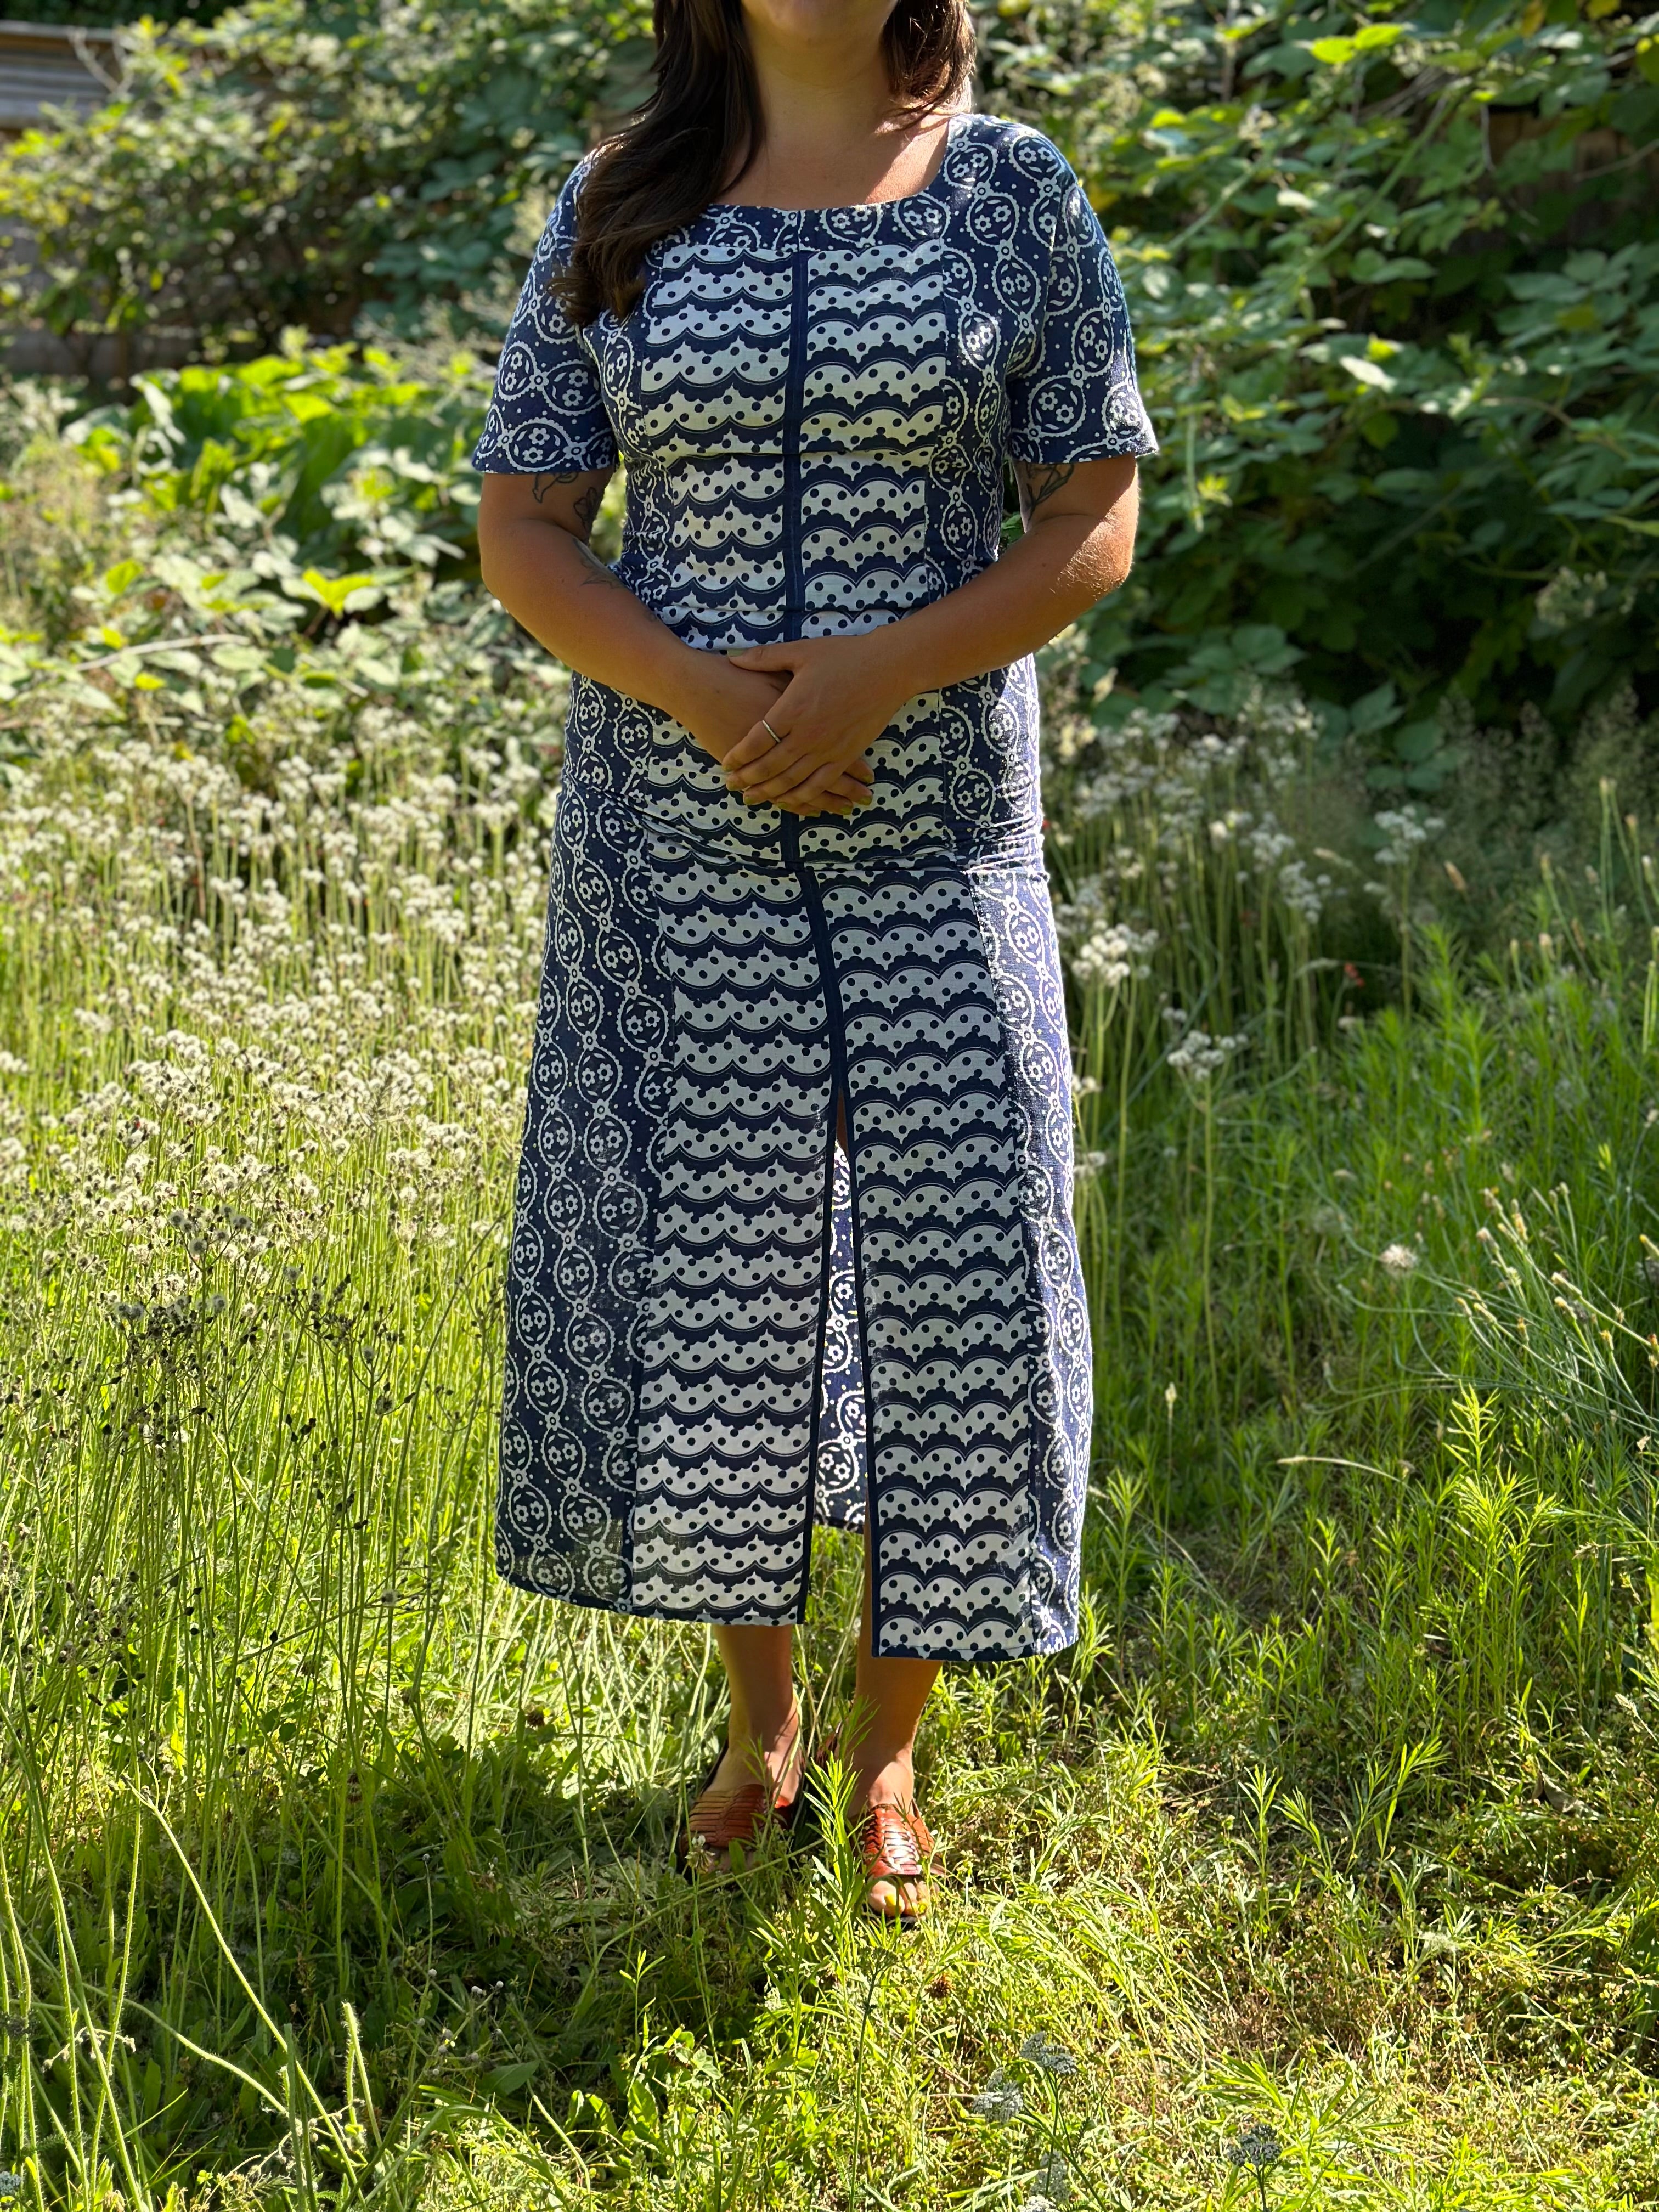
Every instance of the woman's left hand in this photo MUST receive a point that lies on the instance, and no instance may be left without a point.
(841, 694)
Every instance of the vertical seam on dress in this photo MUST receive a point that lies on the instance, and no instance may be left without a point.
(794, 617)
(794, 402)
(668, 1056)
(1037, 1333)
(871, 1517)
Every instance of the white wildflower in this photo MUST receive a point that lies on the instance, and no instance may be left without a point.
(1404, 831)
(1000, 2099)
(1199, 1056)
(1396, 1259)
(1112, 956)
(1268, 843)
(1304, 894)
(1054, 2180)
(1038, 2050)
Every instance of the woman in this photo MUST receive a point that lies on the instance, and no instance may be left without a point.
(792, 1232)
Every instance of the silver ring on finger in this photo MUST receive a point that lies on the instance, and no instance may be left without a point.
(771, 732)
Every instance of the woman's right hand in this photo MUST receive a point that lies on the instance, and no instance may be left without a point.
(720, 705)
(534, 555)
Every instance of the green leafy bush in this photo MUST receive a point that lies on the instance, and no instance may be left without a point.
(1395, 280)
(289, 165)
(349, 458)
(257, 543)
(1396, 288)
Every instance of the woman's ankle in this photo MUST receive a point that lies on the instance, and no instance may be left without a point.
(773, 1746)
(887, 1776)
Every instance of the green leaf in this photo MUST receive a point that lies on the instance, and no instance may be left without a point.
(339, 594)
(1265, 647)
(1417, 741)
(1336, 52)
(511, 2081)
(1368, 372)
(1369, 267)
(1376, 711)
(121, 577)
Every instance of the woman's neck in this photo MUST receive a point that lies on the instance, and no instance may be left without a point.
(832, 136)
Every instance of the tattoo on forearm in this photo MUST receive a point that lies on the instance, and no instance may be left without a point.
(542, 484)
(601, 574)
(1039, 481)
(586, 507)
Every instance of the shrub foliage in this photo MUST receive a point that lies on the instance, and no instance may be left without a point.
(1395, 277)
(292, 165)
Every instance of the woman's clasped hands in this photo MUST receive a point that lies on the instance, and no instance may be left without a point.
(808, 753)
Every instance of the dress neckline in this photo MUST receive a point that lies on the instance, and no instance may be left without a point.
(751, 208)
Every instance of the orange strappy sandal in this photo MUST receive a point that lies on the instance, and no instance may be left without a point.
(721, 1818)
(896, 1848)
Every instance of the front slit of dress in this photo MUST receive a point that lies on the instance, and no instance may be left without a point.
(794, 623)
(840, 1100)
(826, 1243)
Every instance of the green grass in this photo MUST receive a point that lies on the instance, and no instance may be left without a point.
(332, 1870)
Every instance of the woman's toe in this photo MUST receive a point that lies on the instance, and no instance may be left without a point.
(897, 1899)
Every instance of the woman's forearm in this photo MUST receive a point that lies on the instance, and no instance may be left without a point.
(563, 594)
(1056, 572)
(550, 580)
(843, 692)
(534, 557)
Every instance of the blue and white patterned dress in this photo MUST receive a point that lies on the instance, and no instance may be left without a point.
(717, 1333)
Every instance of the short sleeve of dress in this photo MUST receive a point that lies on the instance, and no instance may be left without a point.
(1076, 399)
(546, 412)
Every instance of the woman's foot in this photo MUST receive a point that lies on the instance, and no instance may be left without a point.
(776, 1761)
(893, 1837)
(757, 1780)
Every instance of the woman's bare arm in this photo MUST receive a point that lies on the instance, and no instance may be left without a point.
(535, 559)
(1079, 544)
(1080, 521)
(533, 550)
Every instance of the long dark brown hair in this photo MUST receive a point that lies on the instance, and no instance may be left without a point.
(702, 126)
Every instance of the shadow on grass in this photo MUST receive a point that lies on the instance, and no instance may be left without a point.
(482, 1926)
